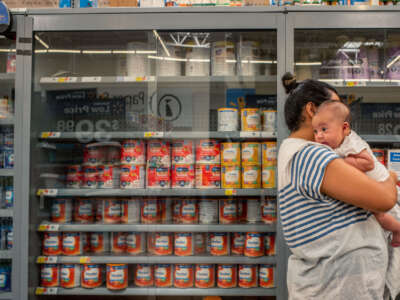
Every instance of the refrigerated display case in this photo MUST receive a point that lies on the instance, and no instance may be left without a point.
(151, 165)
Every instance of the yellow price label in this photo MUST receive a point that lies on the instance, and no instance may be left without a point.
(40, 291)
(45, 134)
(62, 79)
(43, 227)
(148, 134)
(40, 192)
(140, 78)
(41, 260)
(351, 83)
(84, 260)
(230, 192)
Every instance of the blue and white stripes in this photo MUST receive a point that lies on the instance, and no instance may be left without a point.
(306, 214)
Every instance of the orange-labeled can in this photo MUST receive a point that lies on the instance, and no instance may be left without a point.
(189, 211)
(118, 242)
(200, 242)
(52, 244)
(248, 276)
(208, 176)
(163, 275)
(144, 276)
(112, 211)
(91, 276)
(99, 242)
(49, 275)
(219, 243)
(184, 244)
(230, 154)
(242, 210)
(150, 211)
(251, 153)
(268, 177)
(269, 153)
(251, 177)
(130, 211)
(183, 276)
(72, 243)
(165, 210)
(61, 210)
(237, 243)
(86, 239)
(70, 276)
(254, 244)
(135, 243)
(163, 243)
(208, 152)
(380, 155)
(268, 211)
(266, 276)
(158, 177)
(84, 211)
(151, 237)
(269, 242)
(204, 276)
(228, 211)
(117, 276)
(231, 177)
(251, 119)
(227, 276)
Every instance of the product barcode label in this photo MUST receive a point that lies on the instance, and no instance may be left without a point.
(249, 134)
(47, 192)
(91, 79)
(50, 134)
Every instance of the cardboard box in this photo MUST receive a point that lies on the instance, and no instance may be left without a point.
(32, 3)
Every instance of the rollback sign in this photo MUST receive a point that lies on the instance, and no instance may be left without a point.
(380, 118)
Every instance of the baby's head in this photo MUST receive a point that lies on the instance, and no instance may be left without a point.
(331, 123)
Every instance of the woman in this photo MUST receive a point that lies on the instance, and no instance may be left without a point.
(338, 249)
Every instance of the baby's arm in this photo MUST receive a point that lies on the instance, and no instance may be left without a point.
(362, 161)
(389, 223)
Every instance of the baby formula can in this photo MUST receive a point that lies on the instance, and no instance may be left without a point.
(112, 211)
(248, 276)
(242, 210)
(99, 210)
(74, 176)
(133, 152)
(237, 243)
(219, 243)
(228, 211)
(380, 155)
(251, 177)
(135, 243)
(91, 276)
(204, 276)
(269, 154)
(117, 276)
(130, 211)
(189, 213)
(268, 211)
(86, 238)
(266, 276)
(99, 242)
(230, 154)
(231, 177)
(144, 276)
(52, 243)
(269, 242)
(89, 180)
(228, 119)
(227, 276)
(208, 211)
(176, 211)
(269, 120)
(208, 152)
(61, 210)
(183, 152)
(182, 176)
(163, 275)
(118, 242)
(49, 275)
(165, 210)
(105, 176)
(151, 237)
(163, 243)
(158, 177)
(72, 243)
(251, 153)
(70, 276)
(254, 244)
(132, 176)
(84, 211)
(150, 211)
(183, 276)
(158, 154)
(208, 176)
(253, 211)
(268, 177)
(93, 155)
(200, 242)
(251, 120)
(184, 244)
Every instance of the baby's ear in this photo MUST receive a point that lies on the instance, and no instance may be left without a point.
(346, 128)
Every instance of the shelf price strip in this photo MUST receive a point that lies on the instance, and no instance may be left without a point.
(47, 260)
(47, 192)
(49, 227)
(50, 134)
(151, 134)
(230, 192)
(46, 291)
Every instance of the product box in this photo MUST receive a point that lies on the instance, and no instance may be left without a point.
(261, 101)
(65, 3)
(88, 3)
(237, 97)
(393, 161)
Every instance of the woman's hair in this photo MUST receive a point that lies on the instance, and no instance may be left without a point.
(300, 93)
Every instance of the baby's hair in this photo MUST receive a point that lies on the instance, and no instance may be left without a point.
(338, 108)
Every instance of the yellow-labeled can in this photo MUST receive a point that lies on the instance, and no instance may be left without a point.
(269, 153)
(231, 177)
(268, 177)
(251, 153)
(251, 177)
(251, 119)
(230, 154)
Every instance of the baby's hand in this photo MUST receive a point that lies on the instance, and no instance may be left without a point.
(362, 161)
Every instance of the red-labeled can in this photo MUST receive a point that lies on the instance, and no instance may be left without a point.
(165, 210)
(118, 242)
(237, 243)
(266, 276)
(380, 155)
(150, 211)
(182, 176)
(70, 276)
(208, 152)
(144, 276)
(163, 243)
(132, 176)
(72, 243)
(189, 212)
(176, 211)
(158, 177)
(200, 242)
(268, 211)
(205, 276)
(133, 152)
(183, 276)
(158, 154)
(84, 211)
(269, 242)
(105, 176)
(184, 245)
(86, 239)
(117, 276)
(254, 244)
(135, 243)
(49, 275)
(61, 210)
(52, 244)
(248, 276)
(74, 176)
(163, 275)
(99, 242)
(91, 276)
(182, 152)
(228, 210)
(208, 176)
(89, 180)
(93, 154)
(219, 244)
(227, 276)
(112, 211)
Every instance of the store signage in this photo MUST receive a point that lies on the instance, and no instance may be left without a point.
(378, 118)
(5, 20)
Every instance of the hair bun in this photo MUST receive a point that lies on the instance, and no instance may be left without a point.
(289, 82)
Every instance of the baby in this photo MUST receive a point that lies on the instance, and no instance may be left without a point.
(331, 125)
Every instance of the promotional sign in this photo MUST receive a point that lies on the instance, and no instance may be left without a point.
(378, 118)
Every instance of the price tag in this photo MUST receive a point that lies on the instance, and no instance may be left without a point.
(46, 291)
(47, 192)
(84, 260)
(230, 192)
(47, 259)
(48, 80)
(91, 79)
(141, 78)
(268, 134)
(250, 134)
(50, 134)
(53, 227)
(151, 134)
(43, 227)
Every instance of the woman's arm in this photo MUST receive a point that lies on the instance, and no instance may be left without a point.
(345, 183)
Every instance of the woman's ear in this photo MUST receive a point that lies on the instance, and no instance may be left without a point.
(310, 109)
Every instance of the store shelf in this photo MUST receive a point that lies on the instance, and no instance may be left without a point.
(112, 259)
(151, 291)
(261, 227)
(7, 78)
(6, 172)
(6, 295)
(76, 136)
(5, 254)
(6, 212)
(362, 82)
(153, 192)
(381, 138)
(7, 121)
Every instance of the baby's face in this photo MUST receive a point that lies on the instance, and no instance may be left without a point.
(328, 130)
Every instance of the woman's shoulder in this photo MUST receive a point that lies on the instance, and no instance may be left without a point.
(292, 146)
